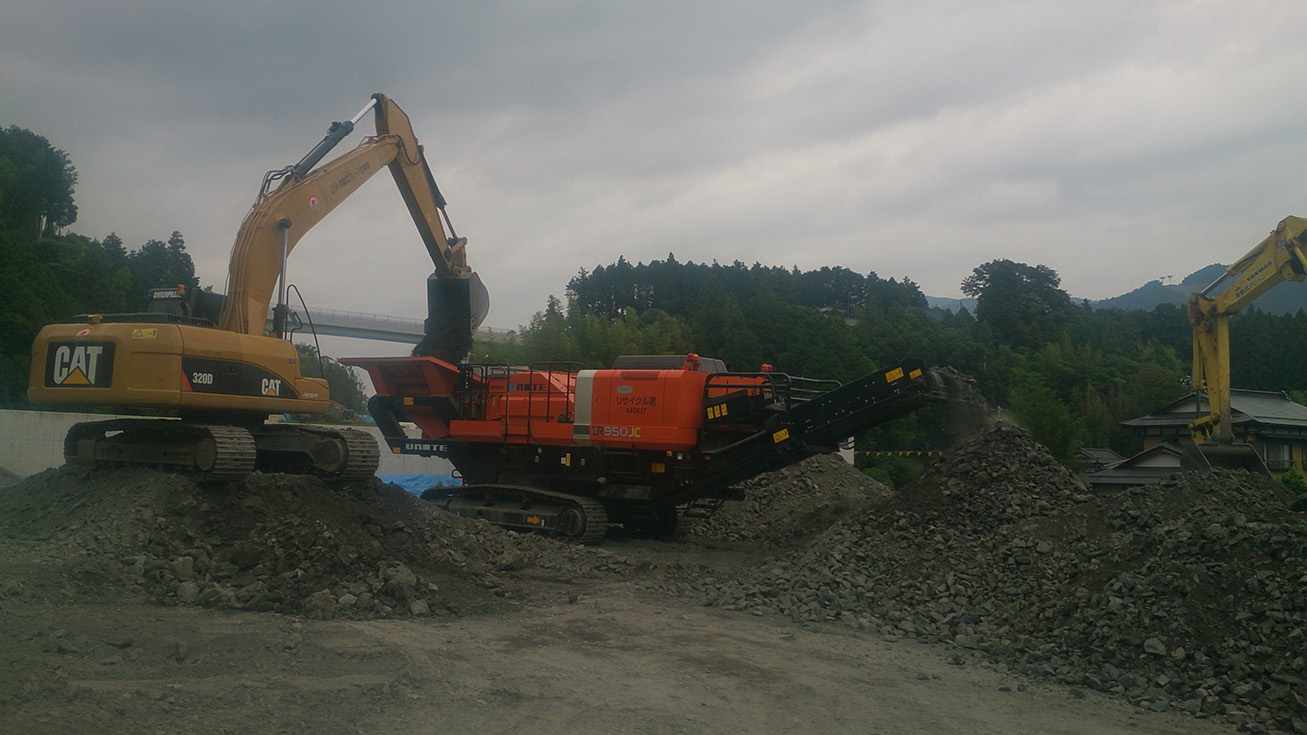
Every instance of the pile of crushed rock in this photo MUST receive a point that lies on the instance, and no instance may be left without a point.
(789, 506)
(1188, 594)
(283, 543)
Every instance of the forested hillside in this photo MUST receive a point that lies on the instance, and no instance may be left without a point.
(1070, 372)
(48, 277)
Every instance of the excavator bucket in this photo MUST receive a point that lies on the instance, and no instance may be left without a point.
(478, 300)
(455, 308)
(1209, 456)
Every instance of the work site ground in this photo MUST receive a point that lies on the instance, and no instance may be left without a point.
(998, 594)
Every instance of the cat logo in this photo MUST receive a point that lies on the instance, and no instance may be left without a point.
(84, 365)
(271, 387)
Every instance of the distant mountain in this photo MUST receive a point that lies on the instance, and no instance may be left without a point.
(1284, 299)
(1153, 293)
(947, 304)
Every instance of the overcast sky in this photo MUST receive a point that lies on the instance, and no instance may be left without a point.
(1115, 142)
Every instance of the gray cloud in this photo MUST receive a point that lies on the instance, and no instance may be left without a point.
(1112, 141)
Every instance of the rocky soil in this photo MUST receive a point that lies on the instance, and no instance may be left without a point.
(788, 507)
(1187, 596)
(281, 543)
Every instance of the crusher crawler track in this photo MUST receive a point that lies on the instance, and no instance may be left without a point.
(218, 453)
(576, 518)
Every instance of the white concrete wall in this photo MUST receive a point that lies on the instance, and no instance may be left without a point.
(33, 441)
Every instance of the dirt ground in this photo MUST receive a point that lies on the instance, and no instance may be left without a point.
(598, 654)
(135, 601)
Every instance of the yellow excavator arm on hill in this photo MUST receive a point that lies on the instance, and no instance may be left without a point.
(305, 195)
(1278, 258)
(221, 384)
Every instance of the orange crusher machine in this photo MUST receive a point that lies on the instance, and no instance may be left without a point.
(565, 450)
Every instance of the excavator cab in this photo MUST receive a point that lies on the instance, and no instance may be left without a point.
(178, 301)
(168, 301)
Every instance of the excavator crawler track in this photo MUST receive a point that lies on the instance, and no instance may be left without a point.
(210, 452)
(316, 450)
(220, 452)
(364, 456)
(235, 454)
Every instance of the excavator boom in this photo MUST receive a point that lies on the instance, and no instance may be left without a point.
(1278, 258)
(278, 220)
(306, 195)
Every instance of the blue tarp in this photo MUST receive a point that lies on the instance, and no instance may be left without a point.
(416, 484)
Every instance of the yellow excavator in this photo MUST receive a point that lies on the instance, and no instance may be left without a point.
(1278, 258)
(210, 364)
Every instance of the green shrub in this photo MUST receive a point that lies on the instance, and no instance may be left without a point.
(1294, 480)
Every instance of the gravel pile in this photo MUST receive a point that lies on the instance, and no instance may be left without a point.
(285, 543)
(789, 506)
(1189, 594)
(1186, 594)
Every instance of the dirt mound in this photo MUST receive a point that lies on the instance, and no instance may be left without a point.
(285, 543)
(998, 475)
(1187, 593)
(792, 505)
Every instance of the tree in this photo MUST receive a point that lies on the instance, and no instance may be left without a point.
(36, 184)
(344, 384)
(47, 280)
(160, 265)
(722, 330)
(547, 336)
(1049, 421)
(1022, 305)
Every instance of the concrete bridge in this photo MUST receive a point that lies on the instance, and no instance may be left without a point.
(361, 325)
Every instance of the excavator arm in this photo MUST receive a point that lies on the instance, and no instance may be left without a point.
(1278, 258)
(307, 193)
(421, 194)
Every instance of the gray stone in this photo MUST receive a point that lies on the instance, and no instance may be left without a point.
(183, 568)
(188, 593)
(320, 605)
(401, 575)
(1155, 646)
(512, 561)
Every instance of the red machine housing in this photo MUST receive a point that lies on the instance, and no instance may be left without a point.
(639, 439)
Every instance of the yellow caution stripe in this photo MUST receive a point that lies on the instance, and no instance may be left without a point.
(900, 454)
